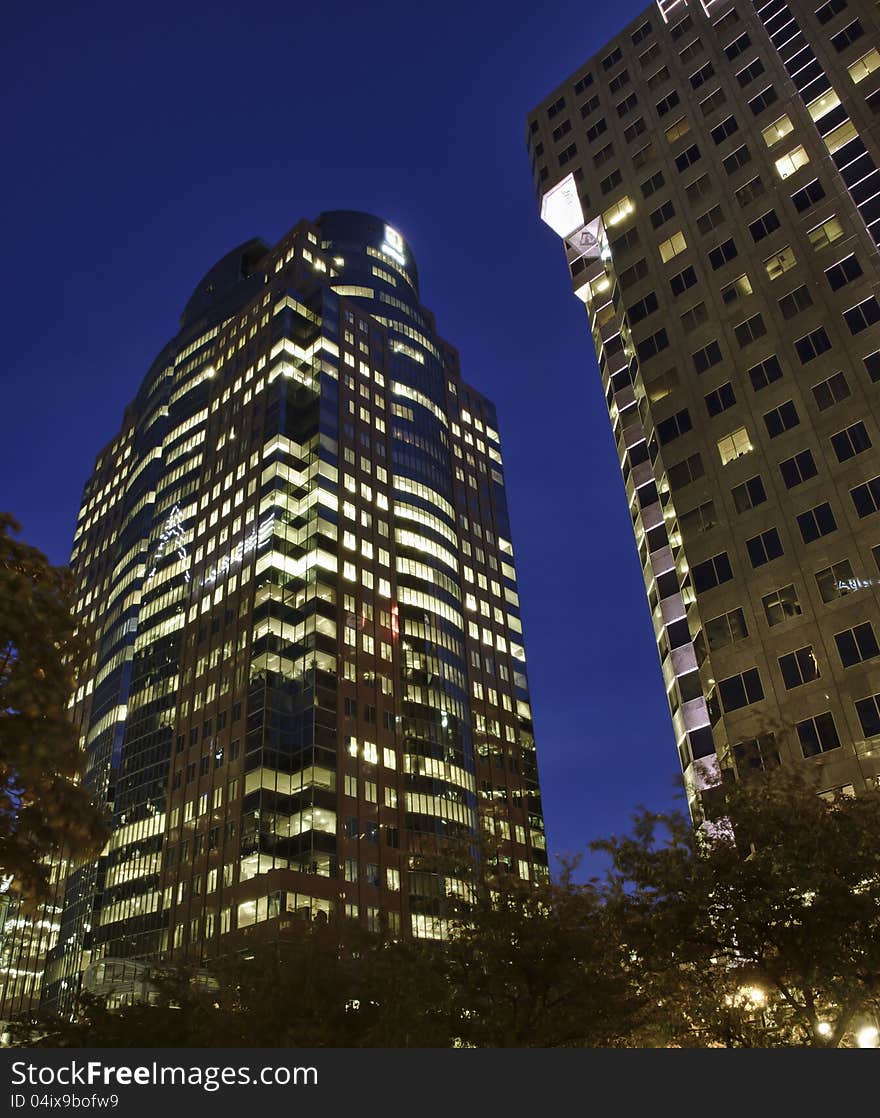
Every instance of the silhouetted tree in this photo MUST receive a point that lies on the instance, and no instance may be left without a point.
(44, 809)
(762, 928)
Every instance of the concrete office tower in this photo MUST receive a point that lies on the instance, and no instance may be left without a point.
(713, 174)
(309, 668)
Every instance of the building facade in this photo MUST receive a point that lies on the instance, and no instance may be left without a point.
(713, 174)
(309, 665)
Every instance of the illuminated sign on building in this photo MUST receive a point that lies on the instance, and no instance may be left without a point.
(561, 207)
(257, 538)
(172, 530)
(393, 245)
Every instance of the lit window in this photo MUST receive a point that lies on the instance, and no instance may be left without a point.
(865, 65)
(775, 131)
(824, 104)
(734, 445)
(778, 264)
(792, 162)
(672, 247)
(840, 136)
(825, 234)
(617, 212)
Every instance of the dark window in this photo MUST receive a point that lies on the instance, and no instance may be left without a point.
(726, 128)
(872, 365)
(851, 441)
(683, 473)
(662, 214)
(706, 357)
(835, 581)
(627, 105)
(702, 75)
(721, 399)
(681, 28)
(852, 32)
(726, 629)
(588, 106)
(781, 419)
(739, 44)
(817, 522)
(737, 159)
(641, 309)
(842, 273)
(740, 690)
(658, 77)
(609, 59)
(812, 345)
(863, 315)
(670, 429)
(781, 605)
(649, 186)
(695, 316)
(710, 220)
(798, 667)
(556, 107)
(687, 158)
(750, 330)
(682, 281)
(765, 98)
(795, 301)
(652, 345)
(669, 102)
(698, 188)
(866, 497)
(764, 548)
(808, 196)
(617, 83)
(765, 225)
(614, 179)
(641, 32)
(868, 711)
(625, 241)
(693, 48)
(765, 373)
(700, 519)
(635, 129)
(559, 132)
(711, 572)
(750, 72)
(567, 155)
(715, 99)
(798, 469)
(817, 735)
(634, 273)
(857, 644)
(828, 11)
(583, 83)
(831, 391)
(749, 494)
(722, 253)
(596, 130)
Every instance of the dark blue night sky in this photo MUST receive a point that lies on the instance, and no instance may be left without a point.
(141, 142)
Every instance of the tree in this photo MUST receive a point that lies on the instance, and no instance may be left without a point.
(762, 928)
(44, 809)
(539, 965)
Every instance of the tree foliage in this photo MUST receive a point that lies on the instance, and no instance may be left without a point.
(763, 928)
(760, 930)
(44, 809)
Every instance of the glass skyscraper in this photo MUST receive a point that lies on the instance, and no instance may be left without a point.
(309, 664)
(714, 175)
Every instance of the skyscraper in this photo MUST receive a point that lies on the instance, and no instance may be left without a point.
(309, 664)
(713, 174)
